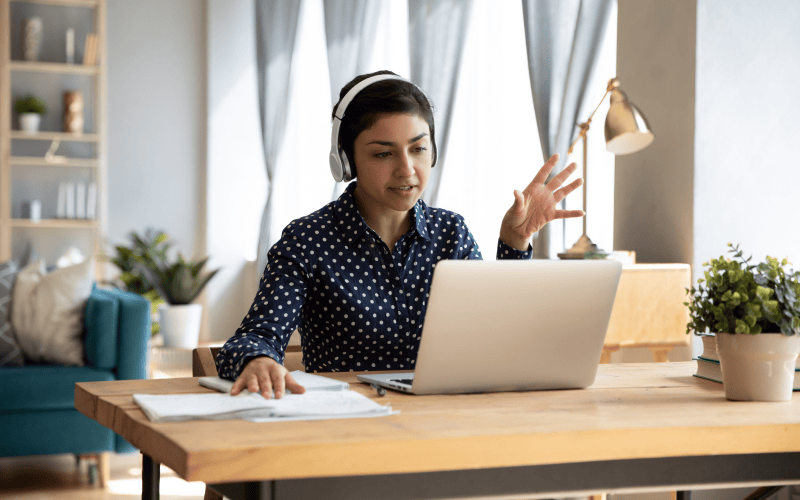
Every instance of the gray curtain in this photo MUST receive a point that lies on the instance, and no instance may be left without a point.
(563, 40)
(350, 28)
(276, 27)
(436, 33)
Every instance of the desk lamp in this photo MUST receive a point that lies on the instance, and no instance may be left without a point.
(626, 132)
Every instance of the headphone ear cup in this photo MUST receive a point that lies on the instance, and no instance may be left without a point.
(348, 169)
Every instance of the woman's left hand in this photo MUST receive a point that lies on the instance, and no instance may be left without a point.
(536, 205)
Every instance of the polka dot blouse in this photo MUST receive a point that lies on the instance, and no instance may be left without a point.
(357, 304)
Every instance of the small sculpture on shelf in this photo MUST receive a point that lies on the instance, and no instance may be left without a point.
(32, 31)
(73, 112)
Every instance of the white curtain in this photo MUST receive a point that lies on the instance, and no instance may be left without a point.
(276, 29)
(437, 29)
(350, 32)
(563, 40)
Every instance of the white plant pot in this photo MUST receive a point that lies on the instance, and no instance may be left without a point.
(758, 367)
(29, 122)
(180, 324)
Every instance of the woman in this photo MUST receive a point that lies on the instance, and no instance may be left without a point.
(354, 276)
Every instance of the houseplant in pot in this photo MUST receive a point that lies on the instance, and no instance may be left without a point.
(754, 310)
(178, 284)
(145, 249)
(30, 109)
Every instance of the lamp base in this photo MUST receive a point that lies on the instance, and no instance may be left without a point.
(584, 249)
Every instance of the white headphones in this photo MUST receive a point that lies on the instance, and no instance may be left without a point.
(340, 165)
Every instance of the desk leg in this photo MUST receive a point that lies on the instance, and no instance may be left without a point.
(151, 476)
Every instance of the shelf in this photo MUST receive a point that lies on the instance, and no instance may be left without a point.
(50, 136)
(54, 223)
(48, 67)
(62, 3)
(40, 161)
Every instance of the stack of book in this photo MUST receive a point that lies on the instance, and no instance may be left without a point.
(708, 363)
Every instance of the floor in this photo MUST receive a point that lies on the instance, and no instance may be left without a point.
(58, 477)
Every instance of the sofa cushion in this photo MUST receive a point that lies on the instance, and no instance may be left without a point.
(102, 319)
(47, 312)
(51, 432)
(43, 387)
(10, 351)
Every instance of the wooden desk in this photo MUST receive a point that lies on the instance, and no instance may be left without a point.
(639, 427)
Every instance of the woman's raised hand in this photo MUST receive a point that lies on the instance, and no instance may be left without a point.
(536, 205)
(264, 375)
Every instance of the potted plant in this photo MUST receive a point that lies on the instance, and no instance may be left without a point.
(178, 284)
(145, 249)
(754, 310)
(30, 110)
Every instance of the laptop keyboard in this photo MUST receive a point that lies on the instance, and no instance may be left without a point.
(403, 380)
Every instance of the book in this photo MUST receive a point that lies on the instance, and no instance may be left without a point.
(90, 50)
(61, 211)
(712, 370)
(91, 201)
(80, 200)
(309, 381)
(69, 189)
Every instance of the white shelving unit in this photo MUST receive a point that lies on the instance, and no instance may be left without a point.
(54, 77)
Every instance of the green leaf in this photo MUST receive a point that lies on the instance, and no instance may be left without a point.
(741, 327)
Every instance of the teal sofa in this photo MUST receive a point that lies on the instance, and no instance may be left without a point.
(37, 402)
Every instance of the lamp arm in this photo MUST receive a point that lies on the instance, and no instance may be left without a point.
(612, 84)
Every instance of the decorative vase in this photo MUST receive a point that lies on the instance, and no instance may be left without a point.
(758, 367)
(32, 32)
(73, 112)
(29, 122)
(180, 324)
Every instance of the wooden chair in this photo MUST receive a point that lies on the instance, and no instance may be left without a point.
(203, 366)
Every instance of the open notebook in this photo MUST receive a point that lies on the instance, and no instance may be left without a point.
(324, 398)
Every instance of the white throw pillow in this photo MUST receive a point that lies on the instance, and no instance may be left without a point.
(47, 312)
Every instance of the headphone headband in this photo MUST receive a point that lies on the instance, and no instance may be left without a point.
(340, 166)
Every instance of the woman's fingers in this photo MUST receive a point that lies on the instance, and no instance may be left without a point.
(545, 170)
(238, 386)
(278, 385)
(568, 214)
(293, 386)
(563, 192)
(264, 384)
(265, 376)
(559, 179)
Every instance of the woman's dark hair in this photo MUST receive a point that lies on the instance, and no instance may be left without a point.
(380, 98)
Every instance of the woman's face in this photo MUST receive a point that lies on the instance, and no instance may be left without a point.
(393, 162)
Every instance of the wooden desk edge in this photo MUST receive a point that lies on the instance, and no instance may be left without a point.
(404, 455)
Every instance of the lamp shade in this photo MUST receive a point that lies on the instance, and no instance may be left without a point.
(627, 130)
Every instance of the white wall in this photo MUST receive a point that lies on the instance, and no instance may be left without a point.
(236, 188)
(747, 153)
(156, 114)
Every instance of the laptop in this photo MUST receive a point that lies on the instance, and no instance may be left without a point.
(504, 325)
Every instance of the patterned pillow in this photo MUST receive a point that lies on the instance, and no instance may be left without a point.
(10, 352)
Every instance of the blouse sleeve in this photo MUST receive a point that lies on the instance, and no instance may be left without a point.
(275, 312)
(507, 252)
